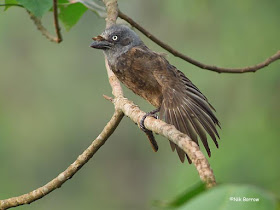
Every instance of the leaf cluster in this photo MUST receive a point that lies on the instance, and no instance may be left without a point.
(69, 12)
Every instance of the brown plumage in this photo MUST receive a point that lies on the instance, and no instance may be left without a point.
(149, 75)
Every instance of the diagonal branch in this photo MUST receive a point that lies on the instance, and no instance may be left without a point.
(165, 46)
(170, 132)
(70, 171)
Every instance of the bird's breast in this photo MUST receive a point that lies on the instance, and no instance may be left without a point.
(138, 76)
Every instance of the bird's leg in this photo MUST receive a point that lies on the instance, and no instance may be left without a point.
(151, 114)
(148, 132)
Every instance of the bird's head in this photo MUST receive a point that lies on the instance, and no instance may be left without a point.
(116, 39)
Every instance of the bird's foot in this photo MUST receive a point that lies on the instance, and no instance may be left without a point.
(148, 132)
(148, 114)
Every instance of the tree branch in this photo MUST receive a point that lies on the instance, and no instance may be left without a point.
(41, 28)
(165, 46)
(112, 12)
(45, 32)
(70, 171)
(170, 132)
(56, 23)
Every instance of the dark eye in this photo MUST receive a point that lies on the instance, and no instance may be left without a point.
(115, 38)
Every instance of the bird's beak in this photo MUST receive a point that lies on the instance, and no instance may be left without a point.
(100, 42)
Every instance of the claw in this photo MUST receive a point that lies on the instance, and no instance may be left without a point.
(148, 132)
(150, 114)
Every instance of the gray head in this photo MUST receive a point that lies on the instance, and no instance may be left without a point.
(116, 40)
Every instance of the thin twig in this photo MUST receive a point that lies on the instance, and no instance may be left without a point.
(56, 24)
(70, 171)
(108, 98)
(165, 46)
(10, 5)
(41, 28)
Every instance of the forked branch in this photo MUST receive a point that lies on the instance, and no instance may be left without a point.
(39, 25)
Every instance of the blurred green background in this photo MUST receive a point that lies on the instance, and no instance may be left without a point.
(51, 105)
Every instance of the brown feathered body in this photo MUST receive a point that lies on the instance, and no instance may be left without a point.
(149, 75)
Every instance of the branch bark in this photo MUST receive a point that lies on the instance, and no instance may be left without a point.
(170, 132)
(56, 23)
(39, 25)
(165, 46)
(70, 171)
(41, 28)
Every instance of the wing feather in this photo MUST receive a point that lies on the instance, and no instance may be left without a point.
(185, 107)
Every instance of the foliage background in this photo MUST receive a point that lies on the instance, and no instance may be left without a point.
(51, 105)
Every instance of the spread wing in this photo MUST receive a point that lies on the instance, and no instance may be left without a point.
(163, 85)
(185, 107)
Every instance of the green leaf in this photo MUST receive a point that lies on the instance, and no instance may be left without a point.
(232, 197)
(69, 15)
(9, 2)
(36, 7)
(183, 198)
(93, 6)
(62, 2)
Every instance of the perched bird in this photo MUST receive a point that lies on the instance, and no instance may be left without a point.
(149, 75)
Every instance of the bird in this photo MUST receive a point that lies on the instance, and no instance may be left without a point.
(150, 75)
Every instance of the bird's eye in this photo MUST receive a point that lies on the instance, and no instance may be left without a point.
(115, 38)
